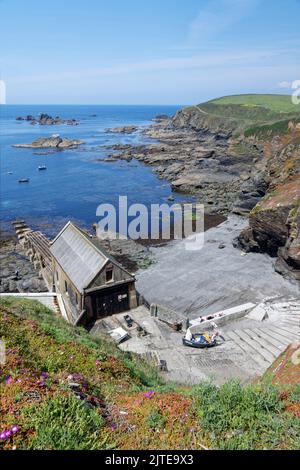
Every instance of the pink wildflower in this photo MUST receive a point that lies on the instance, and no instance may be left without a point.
(15, 429)
(8, 379)
(149, 394)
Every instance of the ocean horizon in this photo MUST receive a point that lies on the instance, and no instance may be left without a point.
(76, 180)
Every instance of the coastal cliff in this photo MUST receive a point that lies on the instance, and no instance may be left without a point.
(237, 154)
(266, 129)
(274, 222)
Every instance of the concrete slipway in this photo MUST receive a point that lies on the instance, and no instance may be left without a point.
(211, 279)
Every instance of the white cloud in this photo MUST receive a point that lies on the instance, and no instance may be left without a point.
(284, 84)
(204, 61)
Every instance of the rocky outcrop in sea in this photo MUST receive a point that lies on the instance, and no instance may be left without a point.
(45, 119)
(122, 130)
(52, 142)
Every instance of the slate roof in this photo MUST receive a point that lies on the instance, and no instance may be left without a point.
(78, 256)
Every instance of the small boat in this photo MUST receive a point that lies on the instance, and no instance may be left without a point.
(9, 172)
(196, 344)
(42, 167)
(203, 340)
(24, 180)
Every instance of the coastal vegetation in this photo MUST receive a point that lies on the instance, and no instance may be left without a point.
(250, 114)
(276, 103)
(61, 388)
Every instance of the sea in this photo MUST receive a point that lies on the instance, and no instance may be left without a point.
(76, 181)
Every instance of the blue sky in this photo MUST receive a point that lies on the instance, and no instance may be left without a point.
(147, 52)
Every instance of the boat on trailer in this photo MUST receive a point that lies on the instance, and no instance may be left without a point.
(202, 340)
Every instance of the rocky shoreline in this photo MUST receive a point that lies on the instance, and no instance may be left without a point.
(19, 275)
(257, 178)
(252, 177)
(17, 272)
(195, 162)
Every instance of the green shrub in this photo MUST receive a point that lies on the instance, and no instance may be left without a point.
(63, 423)
(244, 417)
(295, 394)
(156, 420)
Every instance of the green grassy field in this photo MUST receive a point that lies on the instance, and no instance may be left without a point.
(61, 389)
(275, 103)
(251, 114)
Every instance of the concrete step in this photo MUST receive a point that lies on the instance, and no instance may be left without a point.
(292, 330)
(283, 332)
(290, 324)
(257, 347)
(281, 335)
(289, 309)
(295, 321)
(267, 342)
(248, 350)
(294, 314)
(276, 338)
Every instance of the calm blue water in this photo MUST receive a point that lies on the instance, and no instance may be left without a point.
(74, 183)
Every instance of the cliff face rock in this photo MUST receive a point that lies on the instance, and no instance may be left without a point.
(267, 188)
(194, 117)
(274, 223)
(289, 256)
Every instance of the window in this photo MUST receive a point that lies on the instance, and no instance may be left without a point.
(76, 297)
(66, 287)
(109, 275)
(56, 275)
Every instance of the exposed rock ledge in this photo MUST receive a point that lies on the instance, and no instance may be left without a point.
(51, 142)
(122, 130)
(204, 164)
(17, 273)
(46, 120)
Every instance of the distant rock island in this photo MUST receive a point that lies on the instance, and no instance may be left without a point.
(161, 117)
(45, 119)
(122, 130)
(54, 141)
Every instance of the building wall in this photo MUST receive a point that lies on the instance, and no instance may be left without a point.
(113, 299)
(132, 296)
(118, 275)
(84, 302)
(73, 299)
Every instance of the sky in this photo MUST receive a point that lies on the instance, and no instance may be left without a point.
(146, 52)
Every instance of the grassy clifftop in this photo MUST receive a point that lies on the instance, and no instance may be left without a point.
(275, 103)
(249, 114)
(62, 389)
